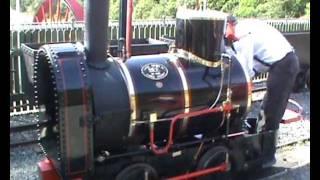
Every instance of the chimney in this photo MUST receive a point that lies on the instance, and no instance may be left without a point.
(95, 34)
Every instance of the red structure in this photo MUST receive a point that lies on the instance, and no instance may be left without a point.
(59, 11)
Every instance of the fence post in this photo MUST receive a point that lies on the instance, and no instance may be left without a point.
(18, 47)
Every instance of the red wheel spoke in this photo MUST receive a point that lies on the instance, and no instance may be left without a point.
(43, 14)
(57, 11)
(50, 10)
(67, 15)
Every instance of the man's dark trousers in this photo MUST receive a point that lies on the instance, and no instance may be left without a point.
(281, 78)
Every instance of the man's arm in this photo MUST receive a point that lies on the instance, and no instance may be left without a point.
(244, 50)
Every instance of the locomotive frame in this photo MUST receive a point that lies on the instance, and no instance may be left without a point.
(66, 80)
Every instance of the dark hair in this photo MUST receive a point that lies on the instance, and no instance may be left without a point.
(232, 19)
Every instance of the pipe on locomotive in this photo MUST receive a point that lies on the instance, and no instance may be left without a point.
(95, 33)
(226, 107)
(129, 28)
(122, 28)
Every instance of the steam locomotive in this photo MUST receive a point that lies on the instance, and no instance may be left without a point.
(175, 113)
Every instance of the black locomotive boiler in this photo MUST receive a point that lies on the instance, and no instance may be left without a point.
(173, 115)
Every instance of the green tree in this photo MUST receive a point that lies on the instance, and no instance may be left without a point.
(114, 9)
(230, 6)
(216, 4)
(282, 9)
(261, 8)
(247, 8)
(187, 3)
(29, 6)
(307, 9)
(13, 4)
(170, 7)
(157, 12)
(271, 9)
(142, 9)
(295, 8)
(165, 8)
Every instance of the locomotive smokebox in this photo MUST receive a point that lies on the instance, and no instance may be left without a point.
(96, 24)
(201, 33)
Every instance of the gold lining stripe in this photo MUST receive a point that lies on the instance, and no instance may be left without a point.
(186, 93)
(192, 57)
(132, 97)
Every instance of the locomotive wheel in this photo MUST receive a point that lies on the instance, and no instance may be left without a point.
(138, 171)
(214, 157)
(59, 11)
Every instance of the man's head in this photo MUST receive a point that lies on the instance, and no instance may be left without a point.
(232, 19)
(230, 31)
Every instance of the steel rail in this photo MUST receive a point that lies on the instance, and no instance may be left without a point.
(24, 143)
(292, 142)
(27, 127)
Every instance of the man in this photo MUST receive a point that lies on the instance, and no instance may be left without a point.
(265, 49)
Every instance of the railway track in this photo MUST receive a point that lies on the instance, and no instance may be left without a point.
(293, 142)
(23, 131)
(24, 156)
(289, 165)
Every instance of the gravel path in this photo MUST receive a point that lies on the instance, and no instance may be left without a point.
(292, 131)
(23, 160)
(300, 173)
(23, 163)
(296, 161)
